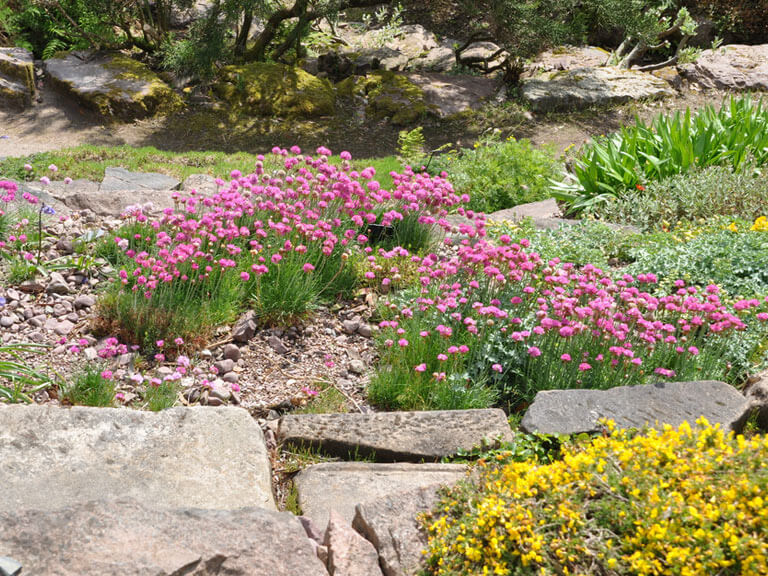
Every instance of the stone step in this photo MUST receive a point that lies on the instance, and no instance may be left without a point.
(14, 94)
(578, 411)
(129, 539)
(341, 486)
(53, 457)
(18, 65)
(396, 436)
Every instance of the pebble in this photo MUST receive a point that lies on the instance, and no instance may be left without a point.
(84, 301)
(232, 352)
(357, 367)
(277, 345)
(365, 330)
(57, 284)
(64, 328)
(7, 321)
(350, 326)
(224, 366)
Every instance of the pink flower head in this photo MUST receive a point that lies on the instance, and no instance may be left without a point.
(420, 368)
(497, 368)
(308, 268)
(533, 351)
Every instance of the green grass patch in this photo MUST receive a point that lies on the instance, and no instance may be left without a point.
(89, 162)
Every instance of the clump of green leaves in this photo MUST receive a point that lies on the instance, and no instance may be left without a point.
(735, 136)
(498, 174)
(91, 387)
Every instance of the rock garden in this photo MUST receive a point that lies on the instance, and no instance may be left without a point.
(383, 289)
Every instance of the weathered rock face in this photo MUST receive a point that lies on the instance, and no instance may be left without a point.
(567, 58)
(179, 457)
(125, 539)
(349, 554)
(537, 210)
(734, 67)
(17, 77)
(341, 486)
(448, 95)
(392, 526)
(397, 436)
(578, 411)
(121, 180)
(582, 87)
(112, 84)
(268, 89)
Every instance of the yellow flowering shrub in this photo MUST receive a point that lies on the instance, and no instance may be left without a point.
(760, 225)
(687, 501)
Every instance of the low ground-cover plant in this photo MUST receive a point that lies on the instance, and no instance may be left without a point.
(278, 241)
(685, 501)
(700, 193)
(498, 174)
(496, 321)
(734, 257)
(19, 378)
(735, 136)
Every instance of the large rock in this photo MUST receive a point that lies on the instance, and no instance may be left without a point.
(127, 539)
(17, 77)
(112, 84)
(111, 203)
(389, 95)
(56, 457)
(537, 210)
(269, 89)
(568, 57)
(450, 94)
(578, 411)
(121, 180)
(349, 554)
(391, 525)
(733, 67)
(341, 486)
(397, 436)
(583, 87)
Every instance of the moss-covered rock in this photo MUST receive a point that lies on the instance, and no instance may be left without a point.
(389, 95)
(17, 77)
(112, 84)
(269, 89)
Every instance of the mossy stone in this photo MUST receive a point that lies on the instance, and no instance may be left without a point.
(395, 96)
(270, 89)
(17, 65)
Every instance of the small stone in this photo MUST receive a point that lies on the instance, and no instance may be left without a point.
(349, 554)
(7, 321)
(64, 328)
(12, 294)
(350, 326)
(51, 324)
(245, 328)
(60, 310)
(214, 401)
(221, 392)
(365, 330)
(232, 352)
(231, 377)
(64, 245)
(32, 287)
(90, 354)
(357, 367)
(224, 366)
(84, 301)
(207, 354)
(57, 284)
(277, 345)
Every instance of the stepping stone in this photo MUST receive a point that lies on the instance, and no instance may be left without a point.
(391, 525)
(53, 457)
(578, 411)
(349, 554)
(543, 209)
(112, 84)
(583, 87)
(396, 436)
(122, 180)
(128, 539)
(341, 486)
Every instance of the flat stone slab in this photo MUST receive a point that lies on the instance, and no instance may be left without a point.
(121, 180)
(53, 457)
(582, 87)
(391, 525)
(128, 539)
(396, 436)
(578, 411)
(341, 486)
(537, 210)
(732, 67)
(111, 84)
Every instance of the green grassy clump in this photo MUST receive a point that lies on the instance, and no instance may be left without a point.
(91, 387)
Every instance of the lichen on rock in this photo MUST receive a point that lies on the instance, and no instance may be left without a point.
(269, 89)
(389, 95)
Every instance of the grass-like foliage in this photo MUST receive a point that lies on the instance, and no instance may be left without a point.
(91, 387)
(278, 241)
(680, 501)
(735, 136)
(498, 174)
(19, 379)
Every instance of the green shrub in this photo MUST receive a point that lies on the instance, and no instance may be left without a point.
(699, 194)
(499, 174)
(161, 396)
(687, 501)
(735, 136)
(91, 387)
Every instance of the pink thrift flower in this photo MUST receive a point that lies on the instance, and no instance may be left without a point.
(497, 368)
(308, 268)
(584, 366)
(565, 357)
(534, 351)
(420, 368)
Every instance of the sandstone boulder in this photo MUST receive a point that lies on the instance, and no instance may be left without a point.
(733, 67)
